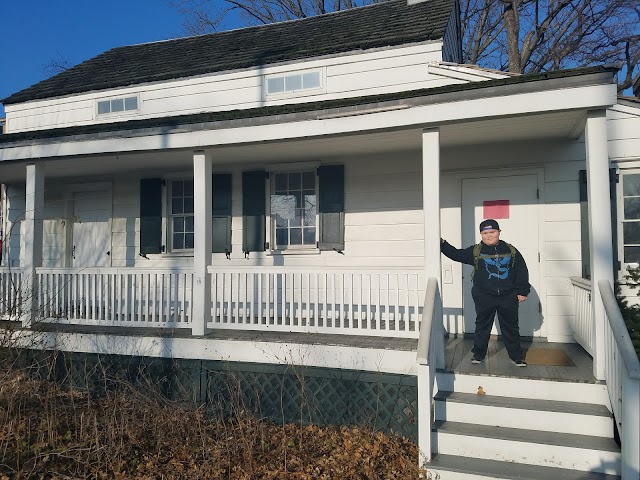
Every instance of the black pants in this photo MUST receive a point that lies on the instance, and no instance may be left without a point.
(506, 306)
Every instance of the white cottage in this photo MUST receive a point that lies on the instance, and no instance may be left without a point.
(275, 195)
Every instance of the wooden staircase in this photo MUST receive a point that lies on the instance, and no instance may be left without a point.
(489, 427)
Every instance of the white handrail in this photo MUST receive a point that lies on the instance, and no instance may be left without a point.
(429, 356)
(622, 375)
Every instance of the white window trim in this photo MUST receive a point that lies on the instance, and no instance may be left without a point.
(620, 220)
(118, 114)
(270, 231)
(167, 233)
(294, 93)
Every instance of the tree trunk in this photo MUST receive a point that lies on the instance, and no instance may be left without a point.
(512, 27)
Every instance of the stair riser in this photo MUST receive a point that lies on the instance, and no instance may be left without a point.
(595, 394)
(448, 475)
(528, 453)
(525, 419)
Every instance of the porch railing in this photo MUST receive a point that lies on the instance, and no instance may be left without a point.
(583, 328)
(363, 302)
(12, 294)
(622, 374)
(116, 296)
(430, 357)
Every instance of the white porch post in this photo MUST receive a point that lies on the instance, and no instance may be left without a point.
(431, 208)
(601, 250)
(34, 206)
(202, 190)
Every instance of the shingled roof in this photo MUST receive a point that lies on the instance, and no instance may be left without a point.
(374, 26)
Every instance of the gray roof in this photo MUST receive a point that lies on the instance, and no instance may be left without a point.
(380, 25)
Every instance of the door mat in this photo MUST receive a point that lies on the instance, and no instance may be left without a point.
(548, 357)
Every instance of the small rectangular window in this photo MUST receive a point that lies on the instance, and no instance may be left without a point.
(182, 216)
(293, 82)
(631, 217)
(116, 105)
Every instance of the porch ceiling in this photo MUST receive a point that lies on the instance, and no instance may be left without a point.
(548, 126)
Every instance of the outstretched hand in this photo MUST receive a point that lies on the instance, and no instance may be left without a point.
(521, 298)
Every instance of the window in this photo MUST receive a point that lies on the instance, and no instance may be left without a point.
(181, 214)
(294, 82)
(117, 105)
(631, 218)
(294, 210)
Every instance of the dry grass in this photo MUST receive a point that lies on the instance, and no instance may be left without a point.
(48, 432)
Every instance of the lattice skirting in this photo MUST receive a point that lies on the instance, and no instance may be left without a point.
(280, 393)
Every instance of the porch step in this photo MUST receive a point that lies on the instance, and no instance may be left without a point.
(523, 413)
(550, 449)
(450, 467)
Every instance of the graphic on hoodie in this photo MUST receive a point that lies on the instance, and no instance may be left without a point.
(501, 265)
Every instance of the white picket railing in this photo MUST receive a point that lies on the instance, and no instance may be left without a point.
(12, 294)
(583, 328)
(622, 374)
(363, 302)
(116, 296)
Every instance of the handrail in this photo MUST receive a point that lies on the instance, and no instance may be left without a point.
(427, 319)
(620, 332)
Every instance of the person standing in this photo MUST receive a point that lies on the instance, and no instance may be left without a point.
(500, 284)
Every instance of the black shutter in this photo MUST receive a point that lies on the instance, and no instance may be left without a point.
(253, 211)
(584, 222)
(221, 208)
(150, 215)
(331, 207)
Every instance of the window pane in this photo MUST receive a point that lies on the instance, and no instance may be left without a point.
(632, 208)
(631, 232)
(295, 181)
(309, 236)
(311, 80)
(309, 180)
(177, 188)
(283, 205)
(298, 197)
(177, 205)
(296, 221)
(281, 182)
(104, 107)
(188, 224)
(188, 240)
(631, 185)
(310, 215)
(178, 241)
(117, 105)
(281, 221)
(296, 236)
(275, 85)
(631, 254)
(131, 103)
(188, 188)
(281, 237)
(188, 205)
(178, 224)
(293, 82)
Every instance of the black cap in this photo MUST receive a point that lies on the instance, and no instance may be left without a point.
(489, 224)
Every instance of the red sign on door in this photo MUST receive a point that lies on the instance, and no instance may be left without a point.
(495, 209)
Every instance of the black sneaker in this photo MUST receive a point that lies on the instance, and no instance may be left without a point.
(476, 360)
(519, 362)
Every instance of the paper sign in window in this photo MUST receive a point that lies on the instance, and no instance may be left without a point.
(495, 209)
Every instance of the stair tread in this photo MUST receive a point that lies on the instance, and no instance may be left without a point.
(525, 403)
(515, 471)
(528, 436)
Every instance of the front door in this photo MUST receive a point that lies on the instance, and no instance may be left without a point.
(513, 202)
(91, 229)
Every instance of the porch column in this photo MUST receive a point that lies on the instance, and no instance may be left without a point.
(601, 251)
(431, 209)
(202, 246)
(34, 206)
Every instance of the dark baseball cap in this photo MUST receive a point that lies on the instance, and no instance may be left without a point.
(489, 224)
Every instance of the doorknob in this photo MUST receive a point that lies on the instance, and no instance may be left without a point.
(73, 252)
(108, 253)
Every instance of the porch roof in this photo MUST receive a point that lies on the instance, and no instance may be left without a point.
(380, 25)
(313, 110)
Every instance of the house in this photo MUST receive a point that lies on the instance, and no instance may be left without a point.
(275, 196)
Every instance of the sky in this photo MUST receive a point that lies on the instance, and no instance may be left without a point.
(33, 33)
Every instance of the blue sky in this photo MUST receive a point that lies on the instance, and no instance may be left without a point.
(35, 32)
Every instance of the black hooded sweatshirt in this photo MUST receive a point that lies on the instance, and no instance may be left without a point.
(495, 275)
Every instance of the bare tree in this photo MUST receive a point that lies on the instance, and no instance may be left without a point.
(57, 65)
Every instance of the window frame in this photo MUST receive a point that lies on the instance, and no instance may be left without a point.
(124, 111)
(294, 93)
(621, 220)
(168, 216)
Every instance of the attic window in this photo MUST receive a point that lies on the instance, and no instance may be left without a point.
(117, 105)
(292, 83)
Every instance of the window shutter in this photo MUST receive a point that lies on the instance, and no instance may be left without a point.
(331, 207)
(150, 215)
(221, 208)
(253, 211)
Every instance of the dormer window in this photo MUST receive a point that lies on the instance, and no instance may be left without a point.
(293, 83)
(118, 105)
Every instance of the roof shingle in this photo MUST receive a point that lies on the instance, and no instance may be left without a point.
(374, 26)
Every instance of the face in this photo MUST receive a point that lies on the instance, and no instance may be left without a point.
(490, 237)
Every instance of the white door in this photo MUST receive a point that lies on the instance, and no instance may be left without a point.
(513, 202)
(91, 229)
